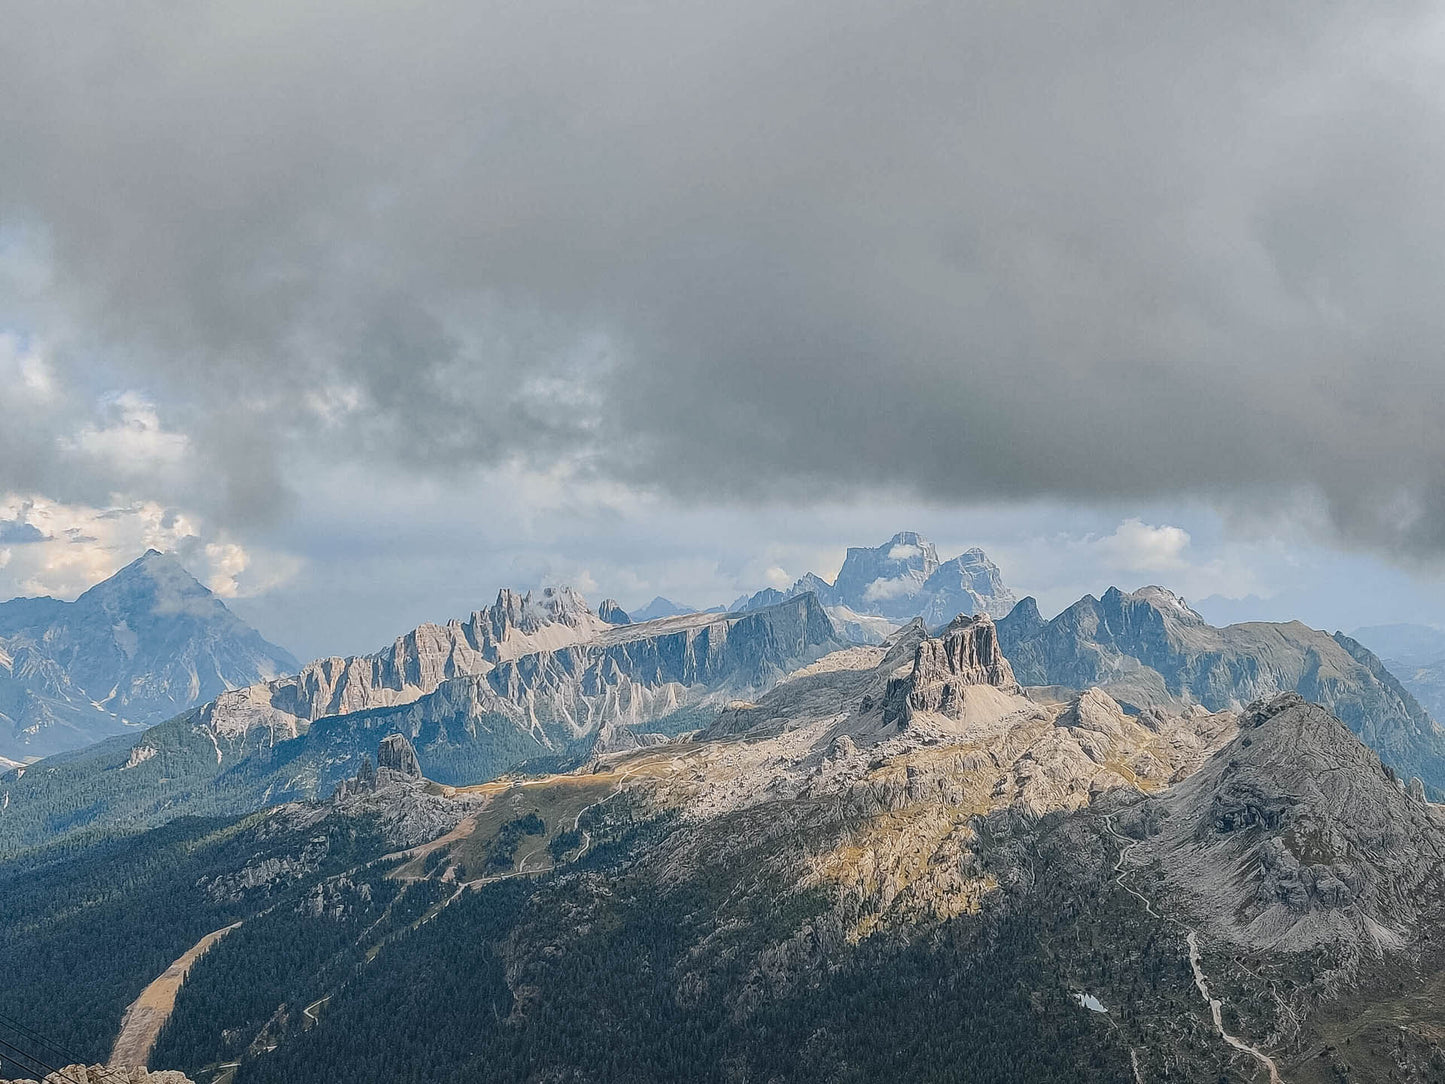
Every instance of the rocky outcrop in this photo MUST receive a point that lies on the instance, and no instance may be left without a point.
(396, 755)
(612, 612)
(966, 654)
(144, 645)
(1149, 648)
(396, 763)
(100, 1074)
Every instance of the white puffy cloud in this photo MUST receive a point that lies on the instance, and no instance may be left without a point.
(227, 561)
(1136, 546)
(880, 590)
(773, 576)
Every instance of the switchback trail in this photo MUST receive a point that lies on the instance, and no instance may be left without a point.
(1191, 938)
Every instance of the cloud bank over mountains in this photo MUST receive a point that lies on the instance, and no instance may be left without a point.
(958, 252)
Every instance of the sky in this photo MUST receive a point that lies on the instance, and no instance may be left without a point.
(368, 309)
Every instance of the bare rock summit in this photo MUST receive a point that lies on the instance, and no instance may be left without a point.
(397, 755)
(967, 654)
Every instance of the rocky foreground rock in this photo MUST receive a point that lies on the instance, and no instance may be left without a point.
(100, 1074)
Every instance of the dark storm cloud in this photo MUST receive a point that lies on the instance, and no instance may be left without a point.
(1085, 251)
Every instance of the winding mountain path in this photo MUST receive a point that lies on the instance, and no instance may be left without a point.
(1216, 1008)
(1191, 938)
(141, 1025)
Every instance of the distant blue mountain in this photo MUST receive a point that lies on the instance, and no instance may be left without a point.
(135, 650)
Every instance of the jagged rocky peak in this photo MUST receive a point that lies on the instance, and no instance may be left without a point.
(969, 650)
(1297, 835)
(527, 614)
(612, 612)
(1023, 621)
(365, 775)
(967, 654)
(1148, 648)
(906, 558)
(397, 755)
(899, 580)
(515, 625)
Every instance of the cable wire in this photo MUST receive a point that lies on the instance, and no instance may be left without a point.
(50, 1070)
(34, 1036)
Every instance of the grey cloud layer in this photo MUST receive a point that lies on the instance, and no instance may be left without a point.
(981, 250)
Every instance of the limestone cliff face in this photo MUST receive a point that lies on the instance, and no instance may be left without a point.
(1149, 648)
(967, 654)
(581, 681)
(618, 682)
(396, 755)
(411, 667)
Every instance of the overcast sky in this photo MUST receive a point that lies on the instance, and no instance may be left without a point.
(367, 309)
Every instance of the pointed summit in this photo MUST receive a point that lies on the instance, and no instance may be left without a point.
(159, 580)
(612, 612)
(136, 648)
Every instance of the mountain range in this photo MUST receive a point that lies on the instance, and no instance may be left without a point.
(665, 607)
(889, 862)
(527, 679)
(542, 680)
(1149, 648)
(138, 648)
(548, 842)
